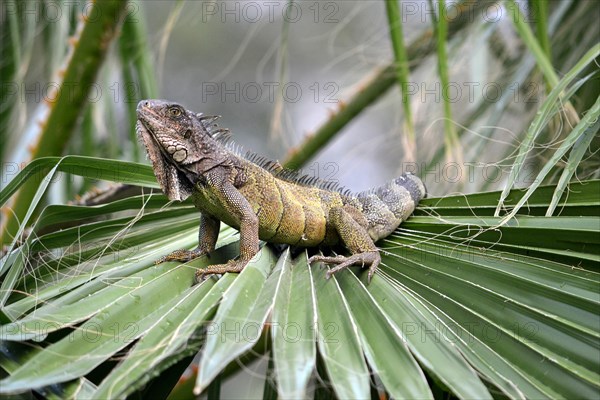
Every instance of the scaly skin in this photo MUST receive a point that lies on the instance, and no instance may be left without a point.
(259, 199)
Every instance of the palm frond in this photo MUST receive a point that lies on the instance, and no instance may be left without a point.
(459, 299)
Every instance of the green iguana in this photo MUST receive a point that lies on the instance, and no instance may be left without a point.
(192, 156)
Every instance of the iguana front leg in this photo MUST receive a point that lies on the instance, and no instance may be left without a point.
(356, 238)
(207, 239)
(237, 206)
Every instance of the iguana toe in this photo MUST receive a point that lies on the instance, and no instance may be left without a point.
(327, 260)
(230, 266)
(181, 256)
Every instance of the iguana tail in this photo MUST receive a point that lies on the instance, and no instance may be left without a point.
(387, 206)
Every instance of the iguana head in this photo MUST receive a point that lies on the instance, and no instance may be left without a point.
(174, 138)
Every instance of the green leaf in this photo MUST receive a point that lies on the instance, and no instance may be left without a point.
(524, 330)
(87, 167)
(293, 330)
(338, 340)
(410, 320)
(241, 316)
(14, 354)
(104, 334)
(577, 152)
(167, 337)
(527, 36)
(542, 118)
(578, 132)
(384, 345)
(60, 314)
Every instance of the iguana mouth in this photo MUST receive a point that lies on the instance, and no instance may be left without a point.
(174, 182)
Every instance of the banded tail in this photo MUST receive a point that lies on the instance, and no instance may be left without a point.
(387, 206)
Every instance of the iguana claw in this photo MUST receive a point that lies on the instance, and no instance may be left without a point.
(371, 258)
(230, 266)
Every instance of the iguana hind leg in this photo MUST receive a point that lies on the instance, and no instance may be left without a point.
(356, 238)
(207, 239)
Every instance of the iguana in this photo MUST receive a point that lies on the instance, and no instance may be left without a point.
(192, 156)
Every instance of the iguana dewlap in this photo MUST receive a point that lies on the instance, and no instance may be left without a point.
(191, 156)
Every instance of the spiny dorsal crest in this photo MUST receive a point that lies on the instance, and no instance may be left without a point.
(289, 175)
(224, 137)
(221, 135)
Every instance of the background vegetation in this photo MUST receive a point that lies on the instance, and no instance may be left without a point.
(482, 294)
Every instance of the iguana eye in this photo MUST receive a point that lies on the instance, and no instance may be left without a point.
(174, 111)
